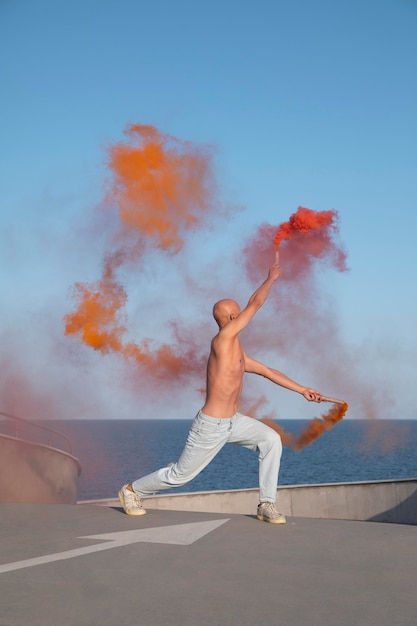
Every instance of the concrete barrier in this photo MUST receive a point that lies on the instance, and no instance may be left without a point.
(32, 472)
(381, 501)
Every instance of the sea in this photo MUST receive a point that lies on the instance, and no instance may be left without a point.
(113, 452)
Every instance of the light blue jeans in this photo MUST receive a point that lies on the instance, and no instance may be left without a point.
(205, 439)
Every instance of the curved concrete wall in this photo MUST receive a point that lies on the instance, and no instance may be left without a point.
(379, 501)
(32, 472)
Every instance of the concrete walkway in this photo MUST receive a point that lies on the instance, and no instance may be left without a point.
(70, 565)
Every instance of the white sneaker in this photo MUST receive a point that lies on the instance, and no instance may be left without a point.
(268, 513)
(130, 502)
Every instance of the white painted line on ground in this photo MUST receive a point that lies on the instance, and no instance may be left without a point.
(179, 534)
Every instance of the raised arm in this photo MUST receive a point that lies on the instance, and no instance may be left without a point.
(256, 367)
(257, 299)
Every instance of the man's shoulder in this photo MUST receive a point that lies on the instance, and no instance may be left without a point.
(225, 337)
(216, 340)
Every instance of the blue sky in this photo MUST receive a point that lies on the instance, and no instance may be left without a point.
(302, 103)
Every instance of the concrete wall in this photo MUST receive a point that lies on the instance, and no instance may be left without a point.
(381, 501)
(36, 473)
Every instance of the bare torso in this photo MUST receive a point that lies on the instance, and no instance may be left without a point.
(225, 369)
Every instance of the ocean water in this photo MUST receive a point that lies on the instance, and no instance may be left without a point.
(112, 452)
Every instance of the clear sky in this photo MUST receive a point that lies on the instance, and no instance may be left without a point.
(299, 103)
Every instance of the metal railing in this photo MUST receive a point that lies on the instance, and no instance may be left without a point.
(16, 431)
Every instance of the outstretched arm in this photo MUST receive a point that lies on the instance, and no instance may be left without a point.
(256, 367)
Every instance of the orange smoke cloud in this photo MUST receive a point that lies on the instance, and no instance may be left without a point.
(313, 430)
(161, 187)
(98, 320)
(101, 324)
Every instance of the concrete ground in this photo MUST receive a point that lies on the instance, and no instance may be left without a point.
(71, 565)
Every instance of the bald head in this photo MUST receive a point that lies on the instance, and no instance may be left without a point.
(225, 310)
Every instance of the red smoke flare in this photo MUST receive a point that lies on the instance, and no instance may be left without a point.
(305, 323)
(313, 430)
(300, 248)
(303, 222)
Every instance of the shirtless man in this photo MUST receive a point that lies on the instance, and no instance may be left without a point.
(219, 422)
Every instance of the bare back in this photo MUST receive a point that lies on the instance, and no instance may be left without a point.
(225, 369)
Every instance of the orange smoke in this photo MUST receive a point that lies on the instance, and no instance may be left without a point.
(97, 319)
(100, 323)
(161, 187)
(303, 222)
(313, 430)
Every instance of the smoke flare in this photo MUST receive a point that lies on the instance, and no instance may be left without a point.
(303, 222)
(313, 430)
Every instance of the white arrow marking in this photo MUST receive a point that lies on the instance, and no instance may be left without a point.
(180, 534)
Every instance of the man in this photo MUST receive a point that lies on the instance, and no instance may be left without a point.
(219, 422)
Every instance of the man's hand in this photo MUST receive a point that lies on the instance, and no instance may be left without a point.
(311, 395)
(274, 271)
